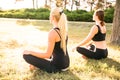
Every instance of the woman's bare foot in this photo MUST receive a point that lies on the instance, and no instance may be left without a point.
(31, 67)
(84, 57)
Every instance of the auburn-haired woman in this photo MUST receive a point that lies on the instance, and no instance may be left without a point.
(97, 36)
(57, 46)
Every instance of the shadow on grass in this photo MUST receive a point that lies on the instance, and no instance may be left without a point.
(112, 63)
(108, 67)
(41, 75)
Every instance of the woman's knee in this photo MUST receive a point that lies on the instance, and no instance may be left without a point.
(26, 57)
(105, 56)
(79, 49)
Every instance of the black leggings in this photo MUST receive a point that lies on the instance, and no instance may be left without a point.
(98, 54)
(43, 64)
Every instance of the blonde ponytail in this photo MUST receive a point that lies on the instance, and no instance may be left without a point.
(62, 25)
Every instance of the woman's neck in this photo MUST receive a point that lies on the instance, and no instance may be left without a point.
(98, 22)
(55, 24)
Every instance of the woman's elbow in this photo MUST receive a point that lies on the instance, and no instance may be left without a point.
(48, 55)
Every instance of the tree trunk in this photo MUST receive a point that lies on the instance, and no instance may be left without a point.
(72, 5)
(36, 4)
(59, 3)
(33, 4)
(100, 5)
(45, 2)
(65, 2)
(115, 37)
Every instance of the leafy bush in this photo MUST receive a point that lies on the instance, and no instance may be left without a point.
(109, 13)
(43, 10)
(79, 16)
(73, 17)
(86, 17)
(81, 11)
(43, 13)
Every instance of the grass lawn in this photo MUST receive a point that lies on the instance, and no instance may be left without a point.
(18, 35)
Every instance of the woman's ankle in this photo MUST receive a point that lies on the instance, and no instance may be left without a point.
(31, 67)
(84, 57)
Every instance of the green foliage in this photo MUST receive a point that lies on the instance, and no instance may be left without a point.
(86, 17)
(27, 14)
(109, 13)
(42, 10)
(79, 15)
(81, 11)
(43, 14)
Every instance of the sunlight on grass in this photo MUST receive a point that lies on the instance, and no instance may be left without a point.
(18, 35)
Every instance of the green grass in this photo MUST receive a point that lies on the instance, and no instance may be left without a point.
(13, 67)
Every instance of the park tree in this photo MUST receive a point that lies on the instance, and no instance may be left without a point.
(100, 4)
(59, 3)
(76, 2)
(62, 3)
(65, 3)
(115, 37)
(35, 3)
(48, 3)
(72, 4)
(90, 2)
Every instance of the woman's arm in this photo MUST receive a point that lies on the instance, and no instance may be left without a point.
(51, 43)
(91, 34)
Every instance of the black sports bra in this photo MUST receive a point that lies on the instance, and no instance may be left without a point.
(57, 31)
(99, 36)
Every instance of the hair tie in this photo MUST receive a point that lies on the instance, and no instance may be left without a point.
(61, 12)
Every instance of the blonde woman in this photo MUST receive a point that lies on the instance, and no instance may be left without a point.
(57, 46)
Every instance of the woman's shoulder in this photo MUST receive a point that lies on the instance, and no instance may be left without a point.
(51, 36)
(94, 27)
(52, 32)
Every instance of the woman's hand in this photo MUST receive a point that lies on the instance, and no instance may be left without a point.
(73, 49)
(26, 52)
